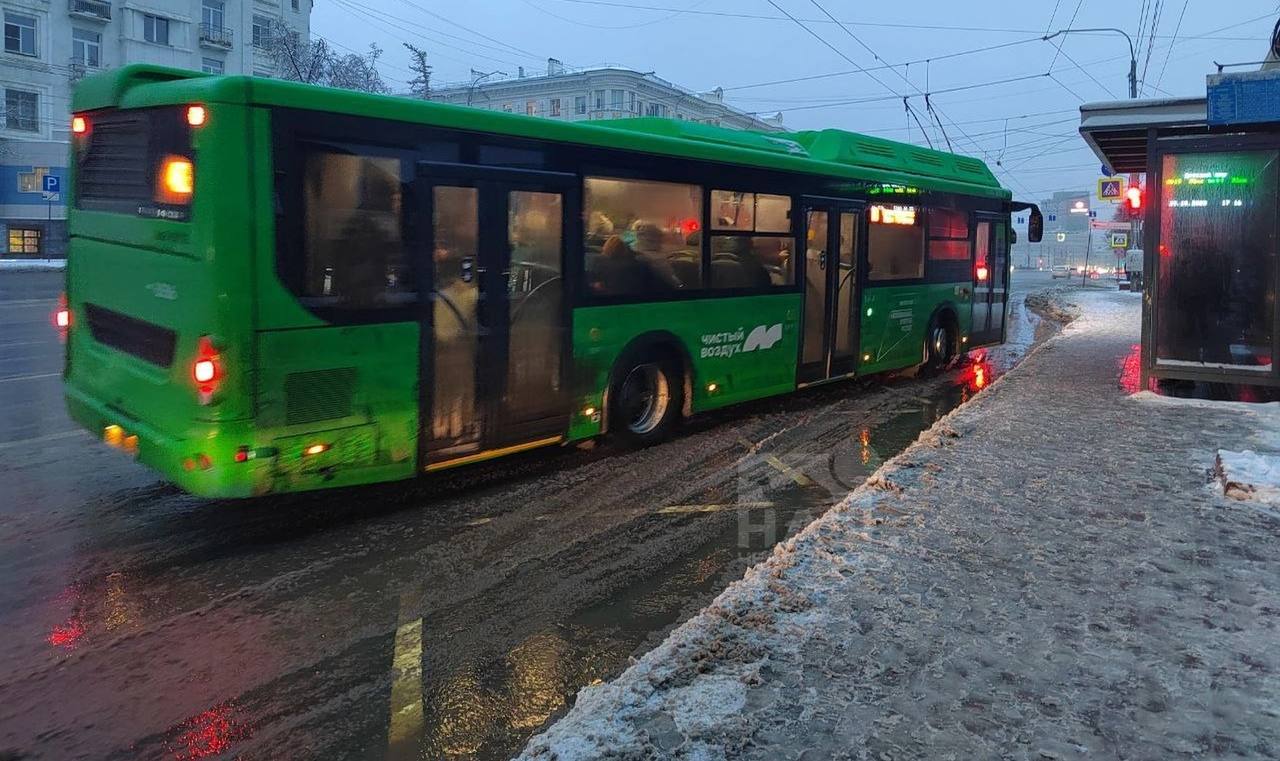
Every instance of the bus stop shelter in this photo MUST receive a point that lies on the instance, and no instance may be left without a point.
(1209, 225)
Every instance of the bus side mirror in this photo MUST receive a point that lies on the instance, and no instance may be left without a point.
(1035, 225)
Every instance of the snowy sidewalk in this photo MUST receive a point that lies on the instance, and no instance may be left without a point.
(1052, 572)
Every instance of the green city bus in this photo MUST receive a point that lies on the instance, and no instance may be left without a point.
(276, 287)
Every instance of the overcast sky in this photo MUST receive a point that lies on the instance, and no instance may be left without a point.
(741, 44)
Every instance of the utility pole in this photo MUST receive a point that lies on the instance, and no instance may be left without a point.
(1133, 95)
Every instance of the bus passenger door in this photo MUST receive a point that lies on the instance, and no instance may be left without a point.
(990, 282)
(493, 376)
(829, 335)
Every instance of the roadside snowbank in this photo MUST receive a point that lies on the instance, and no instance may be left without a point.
(32, 265)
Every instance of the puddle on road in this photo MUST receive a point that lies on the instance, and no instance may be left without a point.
(488, 710)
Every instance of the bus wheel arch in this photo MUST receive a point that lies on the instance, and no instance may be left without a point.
(636, 364)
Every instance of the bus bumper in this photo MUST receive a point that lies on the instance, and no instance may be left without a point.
(201, 461)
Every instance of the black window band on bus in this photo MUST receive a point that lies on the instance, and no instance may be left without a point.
(120, 158)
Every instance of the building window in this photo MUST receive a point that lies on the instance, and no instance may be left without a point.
(211, 66)
(294, 4)
(212, 13)
(155, 29)
(86, 47)
(24, 240)
(642, 237)
(261, 31)
(21, 110)
(507, 108)
(531, 107)
(19, 33)
(615, 99)
(655, 109)
(598, 98)
(631, 102)
(555, 107)
(580, 104)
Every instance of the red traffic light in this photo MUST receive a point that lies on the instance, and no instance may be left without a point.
(1133, 197)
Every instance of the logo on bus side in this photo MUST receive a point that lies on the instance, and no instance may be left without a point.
(164, 291)
(730, 343)
(762, 337)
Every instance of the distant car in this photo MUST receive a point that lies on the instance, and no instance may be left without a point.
(1061, 270)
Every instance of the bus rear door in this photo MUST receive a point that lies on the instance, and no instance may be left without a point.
(990, 281)
(496, 332)
(829, 339)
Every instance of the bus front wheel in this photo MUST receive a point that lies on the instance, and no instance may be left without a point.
(647, 399)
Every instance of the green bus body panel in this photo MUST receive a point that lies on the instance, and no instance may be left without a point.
(894, 320)
(712, 334)
(834, 153)
(351, 388)
(292, 380)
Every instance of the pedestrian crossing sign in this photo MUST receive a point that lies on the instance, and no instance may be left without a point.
(1110, 188)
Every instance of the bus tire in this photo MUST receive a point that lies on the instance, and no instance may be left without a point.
(646, 399)
(939, 345)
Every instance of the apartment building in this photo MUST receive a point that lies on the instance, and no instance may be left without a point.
(50, 44)
(598, 93)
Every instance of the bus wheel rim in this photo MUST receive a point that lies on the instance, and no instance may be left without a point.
(938, 342)
(645, 398)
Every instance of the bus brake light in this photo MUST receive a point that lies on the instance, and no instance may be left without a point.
(62, 317)
(79, 125)
(196, 116)
(982, 273)
(207, 369)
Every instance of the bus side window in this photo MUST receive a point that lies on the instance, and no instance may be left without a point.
(643, 238)
(353, 238)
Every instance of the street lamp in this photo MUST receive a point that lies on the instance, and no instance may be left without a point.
(1133, 58)
(476, 78)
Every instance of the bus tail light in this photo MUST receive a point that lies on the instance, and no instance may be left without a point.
(982, 273)
(196, 116)
(207, 369)
(62, 315)
(79, 125)
(176, 182)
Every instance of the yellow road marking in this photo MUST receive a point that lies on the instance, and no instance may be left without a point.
(478, 522)
(406, 688)
(791, 472)
(683, 509)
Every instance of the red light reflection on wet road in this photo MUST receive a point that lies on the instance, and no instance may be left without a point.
(1131, 370)
(66, 636)
(208, 734)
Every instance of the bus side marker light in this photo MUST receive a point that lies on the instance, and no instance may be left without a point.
(315, 449)
(196, 116)
(866, 357)
(588, 411)
(203, 461)
(964, 339)
(712, 388)
(244, 454)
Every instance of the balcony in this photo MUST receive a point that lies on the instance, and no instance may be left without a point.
(97, 10)
(216, 36)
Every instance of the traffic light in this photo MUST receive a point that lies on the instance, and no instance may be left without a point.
(1133, 202)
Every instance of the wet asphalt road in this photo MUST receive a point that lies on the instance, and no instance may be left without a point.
(451, 617)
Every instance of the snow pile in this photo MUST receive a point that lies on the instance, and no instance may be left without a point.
(32, 265)
(1249, 476)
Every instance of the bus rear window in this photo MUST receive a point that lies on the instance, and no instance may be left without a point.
(136, 161)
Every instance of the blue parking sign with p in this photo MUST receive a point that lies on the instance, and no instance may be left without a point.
(52, 183)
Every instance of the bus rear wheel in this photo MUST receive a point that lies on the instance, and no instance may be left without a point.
(939, 346)
(647, 399)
